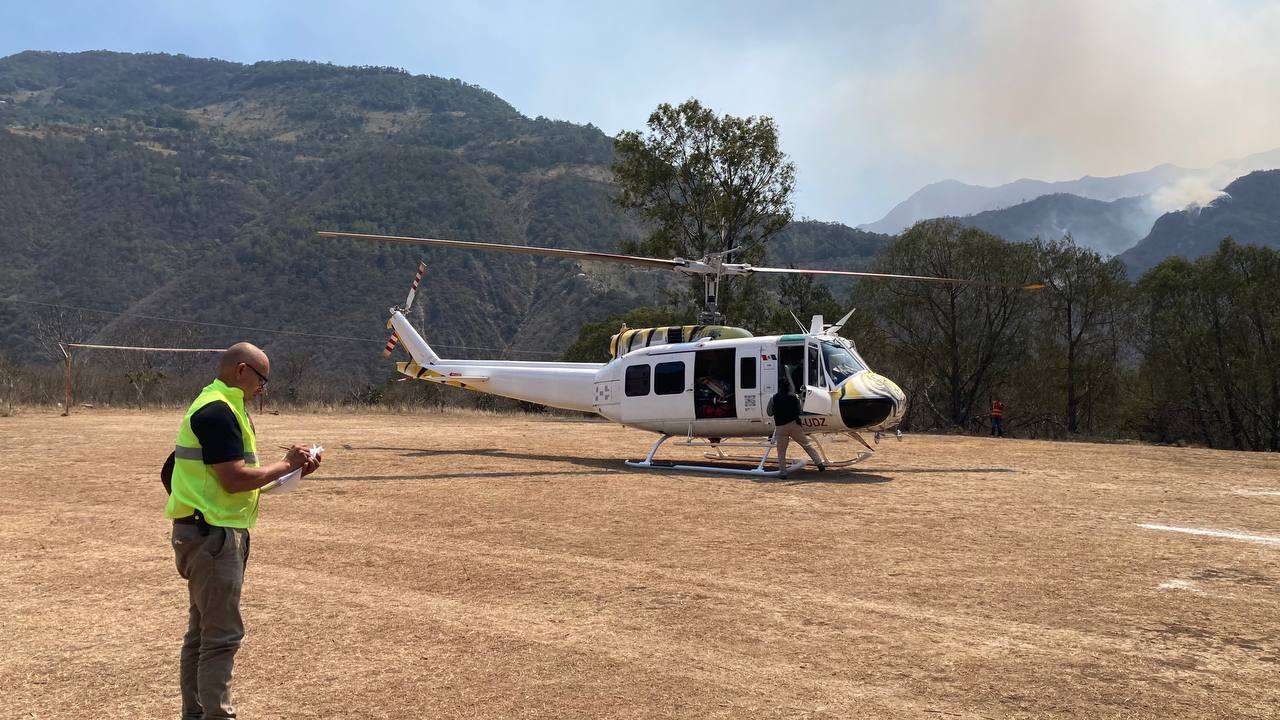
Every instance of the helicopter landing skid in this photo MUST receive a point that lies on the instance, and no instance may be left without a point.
(858, 457)
(759, 471)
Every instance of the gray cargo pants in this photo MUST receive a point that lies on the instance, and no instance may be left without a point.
(213, 566)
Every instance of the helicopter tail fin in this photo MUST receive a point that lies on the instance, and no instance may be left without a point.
(413, 342)
(408, 303)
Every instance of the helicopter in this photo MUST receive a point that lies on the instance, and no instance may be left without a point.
(706, 384)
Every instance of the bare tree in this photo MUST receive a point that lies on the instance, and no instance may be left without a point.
(296, 366)
(9, 374)
(52, 328)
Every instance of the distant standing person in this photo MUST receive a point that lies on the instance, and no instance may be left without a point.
(785, 408)
(997, 418)
(213, 503)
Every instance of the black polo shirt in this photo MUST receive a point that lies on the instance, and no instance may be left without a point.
(218, 431)
(786, 408)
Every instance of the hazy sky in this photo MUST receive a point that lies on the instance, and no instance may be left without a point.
(872, 101)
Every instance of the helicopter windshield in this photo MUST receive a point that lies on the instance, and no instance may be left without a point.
(840, 362)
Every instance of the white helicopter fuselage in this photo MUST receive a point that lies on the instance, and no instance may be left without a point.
(707, 388)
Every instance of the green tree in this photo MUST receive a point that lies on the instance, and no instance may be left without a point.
(1210, 347)
(1083, 306)
(952, 344)
(704, 183)
(802, 296)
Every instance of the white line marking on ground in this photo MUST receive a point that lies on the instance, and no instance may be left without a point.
(1256, 493)
(1265, 539)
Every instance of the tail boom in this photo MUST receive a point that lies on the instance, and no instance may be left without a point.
(570, 386)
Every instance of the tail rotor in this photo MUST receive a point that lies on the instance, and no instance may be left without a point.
(408, 303)
(413, 289)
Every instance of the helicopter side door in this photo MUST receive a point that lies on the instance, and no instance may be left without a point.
(658, 388)
(817, 400)
(750, 400)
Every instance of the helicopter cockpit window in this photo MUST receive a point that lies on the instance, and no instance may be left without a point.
(840, 362)
(815, 370)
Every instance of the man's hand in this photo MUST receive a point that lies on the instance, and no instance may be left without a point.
(235, 476)
(311, 465)
(297, 457)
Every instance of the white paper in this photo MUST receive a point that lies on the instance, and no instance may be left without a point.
(287, 483)
(283, 484)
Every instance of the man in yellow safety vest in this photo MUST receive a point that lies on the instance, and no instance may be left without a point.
(213, 503)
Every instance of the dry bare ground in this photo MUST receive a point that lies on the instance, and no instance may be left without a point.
(482, 567)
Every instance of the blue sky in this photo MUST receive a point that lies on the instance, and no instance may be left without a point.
(873, 99)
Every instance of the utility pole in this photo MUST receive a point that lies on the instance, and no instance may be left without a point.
(66, 405)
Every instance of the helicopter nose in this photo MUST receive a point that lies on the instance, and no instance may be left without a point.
(871, 402)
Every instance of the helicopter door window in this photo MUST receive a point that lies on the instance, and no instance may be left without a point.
(747, 373)
(636, 383)
(668, 378)
(791, 366)
(816, 399)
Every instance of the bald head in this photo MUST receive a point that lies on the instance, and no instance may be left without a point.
(245, 366)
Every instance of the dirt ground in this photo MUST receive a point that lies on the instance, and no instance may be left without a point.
(482, 566)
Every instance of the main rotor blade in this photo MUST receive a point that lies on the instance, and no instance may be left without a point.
(523, 249)
(891, 276)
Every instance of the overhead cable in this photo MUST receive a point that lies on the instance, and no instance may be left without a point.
(297, 333)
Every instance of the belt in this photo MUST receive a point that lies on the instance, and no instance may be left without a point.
(195, 519)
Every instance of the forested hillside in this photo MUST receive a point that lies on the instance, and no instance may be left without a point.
(170, 186)
(1107, 227)
(1248, 212)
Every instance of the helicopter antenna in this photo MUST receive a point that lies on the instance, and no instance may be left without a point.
(834, 328)
(799, 324)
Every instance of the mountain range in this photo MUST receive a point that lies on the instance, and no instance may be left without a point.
(168, 186)
(1168, 188)
(165, 186)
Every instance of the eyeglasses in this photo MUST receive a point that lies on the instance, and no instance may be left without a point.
(262, 379)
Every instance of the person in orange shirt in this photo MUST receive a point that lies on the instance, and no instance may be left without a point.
(997, 418)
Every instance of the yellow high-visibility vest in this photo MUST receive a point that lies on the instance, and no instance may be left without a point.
(194, 486)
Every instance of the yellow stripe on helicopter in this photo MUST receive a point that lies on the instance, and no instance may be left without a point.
(414, 370)
(628, 339)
